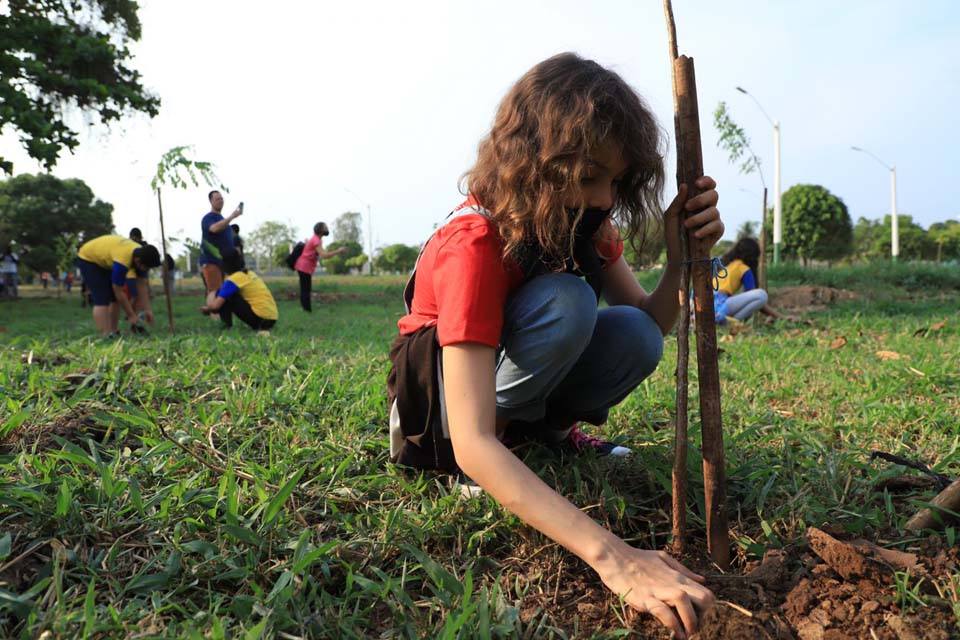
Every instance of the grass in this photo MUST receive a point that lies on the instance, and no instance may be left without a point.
(219, 484)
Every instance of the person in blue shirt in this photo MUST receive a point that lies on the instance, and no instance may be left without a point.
(216, 242)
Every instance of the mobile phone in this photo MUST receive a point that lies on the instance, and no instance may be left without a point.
(241, 206)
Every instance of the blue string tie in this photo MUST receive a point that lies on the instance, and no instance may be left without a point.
(718, 270)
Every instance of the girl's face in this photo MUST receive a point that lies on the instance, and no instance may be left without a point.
(598, 188)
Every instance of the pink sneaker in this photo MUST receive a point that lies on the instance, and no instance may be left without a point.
(582, 442)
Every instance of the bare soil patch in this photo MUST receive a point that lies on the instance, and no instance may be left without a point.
(809, 297)
(831, 588)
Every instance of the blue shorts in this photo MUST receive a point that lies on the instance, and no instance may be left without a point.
(98, 282)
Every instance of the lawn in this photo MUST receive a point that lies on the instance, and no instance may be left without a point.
(221, 484)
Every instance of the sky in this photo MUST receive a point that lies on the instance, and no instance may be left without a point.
(311, 109)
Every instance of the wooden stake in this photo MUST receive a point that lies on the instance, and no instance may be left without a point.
(932, 517)
(163, 264)
(761, 267)
(689, 168)
(680, 438)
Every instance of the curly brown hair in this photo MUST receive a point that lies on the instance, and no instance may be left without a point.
(538, 151)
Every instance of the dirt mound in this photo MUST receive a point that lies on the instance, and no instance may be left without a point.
(829, 589)
(809, 297)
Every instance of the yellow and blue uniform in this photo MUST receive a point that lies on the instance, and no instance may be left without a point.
(737, 274)
(103, 262)
(253, 291)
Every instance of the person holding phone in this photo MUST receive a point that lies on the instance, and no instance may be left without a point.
(216, 242)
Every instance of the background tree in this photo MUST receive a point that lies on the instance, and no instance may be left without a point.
(352, 258)
(734, 141)
(867, 234)
(37, 211)
(58, 55)
(397, 258)
(269, 243)
(816, 224)
(647, 249)
(946, 238)
(915, 242)
(346, 228)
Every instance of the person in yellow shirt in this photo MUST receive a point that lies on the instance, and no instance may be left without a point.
(243, 293)
(741, 264)
(104, 263)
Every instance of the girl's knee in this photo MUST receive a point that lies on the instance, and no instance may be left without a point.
(640, 339)
(562, 305)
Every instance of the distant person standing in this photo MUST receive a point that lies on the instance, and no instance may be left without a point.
(307, 262)
(104, 263)
(237, 240)
(216, 243)
(8, 271)
(244, 294)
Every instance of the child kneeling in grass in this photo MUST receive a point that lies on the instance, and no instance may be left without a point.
(503, 334)
(243, 293)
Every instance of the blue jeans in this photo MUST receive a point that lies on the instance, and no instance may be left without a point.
(562, 359)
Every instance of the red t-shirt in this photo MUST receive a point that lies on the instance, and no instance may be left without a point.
(463, 282)
(307, 262)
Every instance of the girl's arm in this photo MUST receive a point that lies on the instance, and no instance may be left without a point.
(650, 581)
(621, 287)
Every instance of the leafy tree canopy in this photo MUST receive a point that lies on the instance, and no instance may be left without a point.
(816, 224)
(39, 213)
(58, 55)
(270, 241)
(353, 257)
(397, 258)
(346, 228)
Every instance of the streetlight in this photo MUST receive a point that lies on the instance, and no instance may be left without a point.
(777, 211)
(894, 221)
(369, 225)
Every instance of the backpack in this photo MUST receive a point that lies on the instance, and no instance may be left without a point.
(291, 259)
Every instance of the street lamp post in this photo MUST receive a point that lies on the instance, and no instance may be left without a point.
(777, 211)
(894, 220)
(369, 226)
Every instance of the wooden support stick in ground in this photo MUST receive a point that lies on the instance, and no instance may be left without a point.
(689, 168)
(762, 266)
(680, 438)
(163, 264)
(927, 518)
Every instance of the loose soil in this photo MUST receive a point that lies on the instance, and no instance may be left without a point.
(830, 588)
(808, 298)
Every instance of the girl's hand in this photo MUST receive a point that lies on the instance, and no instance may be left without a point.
(653, 582)
(707, 223)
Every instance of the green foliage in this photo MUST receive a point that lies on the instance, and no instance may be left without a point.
(58, 55)
(397, 258)
(340, 264)
(816, 224)
(734, 141)
(270, 242)
(282, 517)
(346, 228)
(871, 239)
(174, 161)
(647, 248)
(67, 208)
(946, 238)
